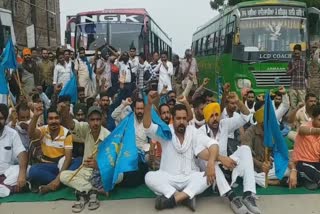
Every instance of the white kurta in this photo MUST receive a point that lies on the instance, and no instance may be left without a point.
(164, 76)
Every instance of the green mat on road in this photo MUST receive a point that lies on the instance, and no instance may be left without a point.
(138, 192)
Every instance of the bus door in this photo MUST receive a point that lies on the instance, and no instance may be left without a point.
(314, 24)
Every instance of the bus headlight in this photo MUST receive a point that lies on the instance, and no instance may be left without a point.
(243, 83)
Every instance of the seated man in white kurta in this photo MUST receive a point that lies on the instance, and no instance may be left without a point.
(179, 180)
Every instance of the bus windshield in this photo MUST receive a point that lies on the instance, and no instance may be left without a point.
(272, 34)
(120, 35)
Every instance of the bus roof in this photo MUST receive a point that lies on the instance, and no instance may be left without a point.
(248, 4)
(5, 11)
(135, 11)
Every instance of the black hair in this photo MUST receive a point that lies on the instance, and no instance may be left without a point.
(4, 110)
(179, 107)
(207, 93)
(36, 98)
(164, 52)
(175, 56)
(297, 47)
(278, 94)
(44, 49)
(53, 109)
(34, 49)
(162, 105)
(66, 50)
(81, 49)
(198, 101)
(22, 107)
(316, 111)
(143, 56)
(308, 96)
(251, 92)
(133, 48)
(258, 105)
(64, 99)
(104, 94)
(155, 52)
(138, 100)
(89, 102)
(170, 92)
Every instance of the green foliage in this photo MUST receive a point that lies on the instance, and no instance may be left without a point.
(216, 4)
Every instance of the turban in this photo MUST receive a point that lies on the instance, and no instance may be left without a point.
(81, 107)
(259, 115)
(26, 51)
(210, 109)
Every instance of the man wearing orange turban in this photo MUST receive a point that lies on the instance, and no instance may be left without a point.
(238, 163)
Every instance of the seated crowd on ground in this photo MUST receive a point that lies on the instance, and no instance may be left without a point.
(48, 141)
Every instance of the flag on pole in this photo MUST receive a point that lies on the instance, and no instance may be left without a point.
(8, 61)
(71, 89)
(8, 57)
(273, 138)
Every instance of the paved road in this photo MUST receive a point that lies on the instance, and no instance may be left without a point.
(292, 204)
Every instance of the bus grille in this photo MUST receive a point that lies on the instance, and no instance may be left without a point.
(271, 78)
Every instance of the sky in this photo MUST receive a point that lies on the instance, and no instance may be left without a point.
(178, 18)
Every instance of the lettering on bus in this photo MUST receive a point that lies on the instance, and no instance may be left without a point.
(272, 11)
(264, 56)
(115, 18)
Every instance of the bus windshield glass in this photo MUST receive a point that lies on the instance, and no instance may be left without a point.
(272, 34)
(119, 35)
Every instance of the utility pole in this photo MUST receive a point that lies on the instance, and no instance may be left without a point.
(48, 30)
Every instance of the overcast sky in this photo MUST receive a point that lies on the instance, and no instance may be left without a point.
(178, 18)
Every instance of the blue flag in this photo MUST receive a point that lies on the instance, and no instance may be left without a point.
(9, 57)
(274, 139)
(118, 153)
(71, 89)
(3, 81)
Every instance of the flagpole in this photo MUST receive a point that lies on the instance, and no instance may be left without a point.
(266, 160)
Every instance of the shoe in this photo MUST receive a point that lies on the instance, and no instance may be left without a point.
(250, 203)
(190, 203)
(164, 203)
(238, 207)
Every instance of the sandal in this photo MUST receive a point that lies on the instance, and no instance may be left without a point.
(93, 203)
(80, 204)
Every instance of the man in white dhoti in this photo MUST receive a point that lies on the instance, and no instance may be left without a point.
(179, 180)
(234, 164)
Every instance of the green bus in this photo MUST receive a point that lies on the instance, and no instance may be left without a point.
(250, 44)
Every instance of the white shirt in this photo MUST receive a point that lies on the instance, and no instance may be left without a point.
(252, 111)
(134, 64)
(106, 72)
(10, 147)
(180, 164)
(283, 107)
(225, 115)
(125, 73)
(164, 76)
(61, 74)
(226, 126)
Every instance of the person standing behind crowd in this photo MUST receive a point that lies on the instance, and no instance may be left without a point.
(314, 70)
(189, 66)
(84, 72)
(29, 72)
(299, 74)
(104, 69)
(46, 68)
(61, 74)
(134, 62)
(35, 55)
(165, 70)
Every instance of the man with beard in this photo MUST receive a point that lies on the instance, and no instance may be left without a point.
(29, 73)
(12, 176)
(84, 72)
(254, 138)
(251, 96)
(81, 95)
(56, 146)
(238, 163)
(104, 70)
(123, 110)
(46, 68)
(179, 180)
(302, 114)
(92, 133)
(20, 122)
(198, 119)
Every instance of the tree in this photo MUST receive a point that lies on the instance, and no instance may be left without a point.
(216, 4)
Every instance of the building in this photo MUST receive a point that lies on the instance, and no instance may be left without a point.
(43, 14)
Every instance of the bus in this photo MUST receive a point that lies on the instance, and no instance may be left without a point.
(249, 45)
(120, 28)
(6, 28)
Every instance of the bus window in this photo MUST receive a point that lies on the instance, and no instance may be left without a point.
(200, 46)
(196, 48)
(221, 45)
(204, 45)
(216, 42)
